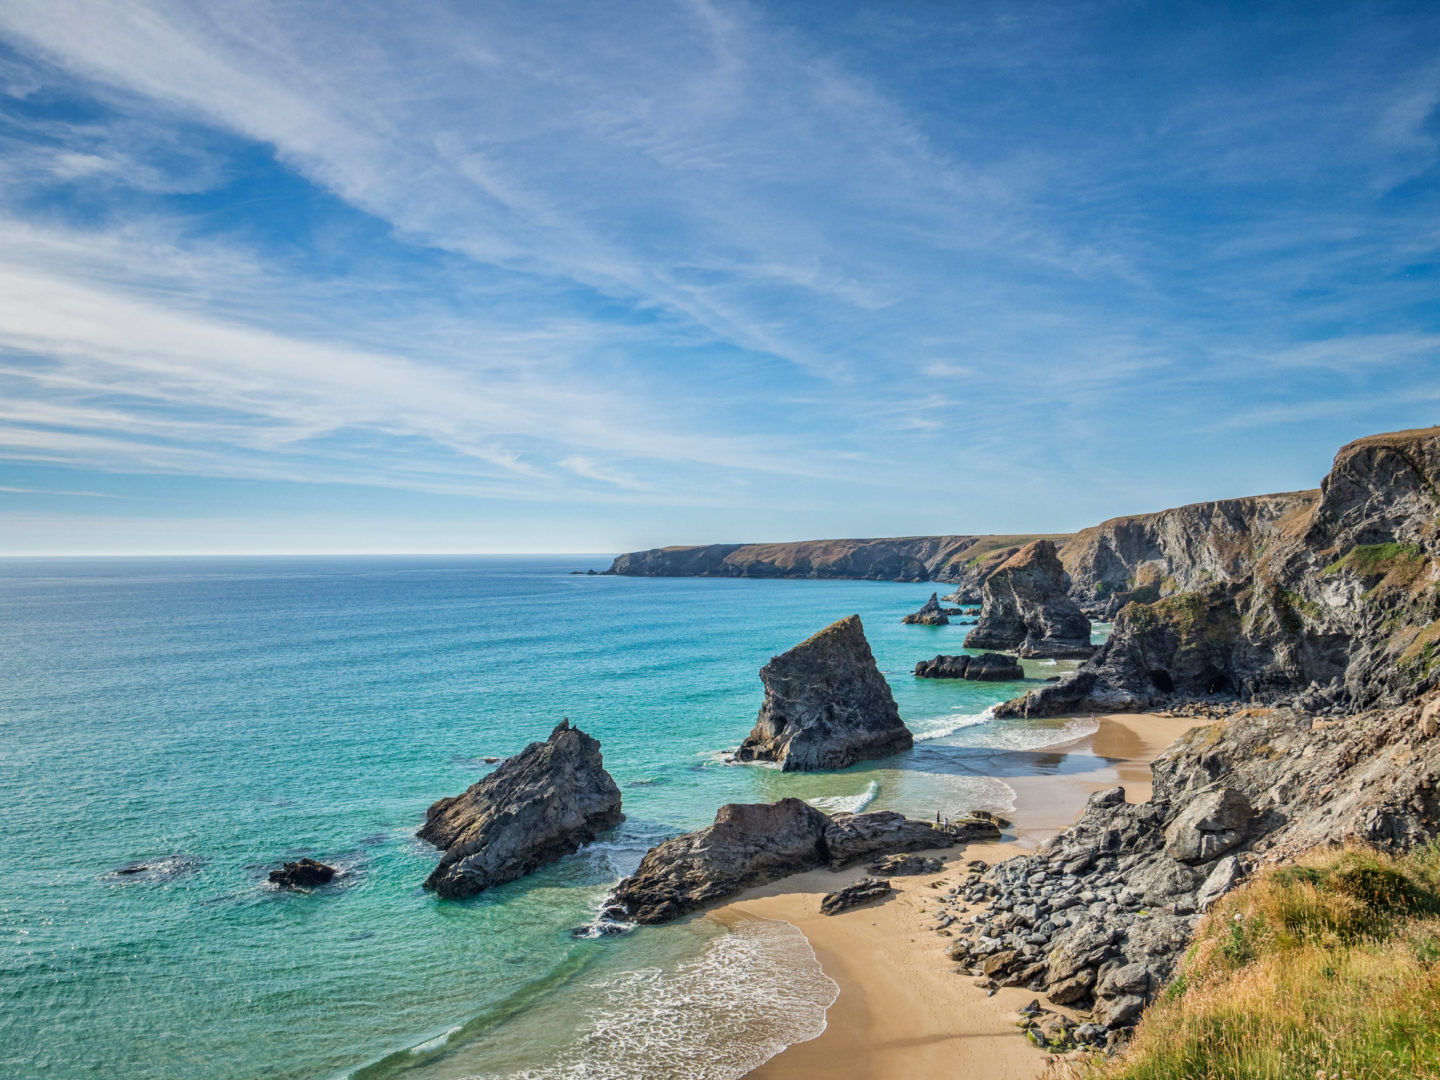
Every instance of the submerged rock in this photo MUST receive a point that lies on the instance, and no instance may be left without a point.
(864, 891)
(987, 667)
(1026, 608)
(537, 807)
(305, 874)
(826, 705)
(754, 843)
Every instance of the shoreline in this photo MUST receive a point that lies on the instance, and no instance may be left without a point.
(902, 1011)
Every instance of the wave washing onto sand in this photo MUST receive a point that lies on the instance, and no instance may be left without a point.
(753, 992)
(1037, 736)
(846, 804)
(938, 727)
(955, 795)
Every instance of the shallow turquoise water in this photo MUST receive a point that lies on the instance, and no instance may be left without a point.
(213, 717)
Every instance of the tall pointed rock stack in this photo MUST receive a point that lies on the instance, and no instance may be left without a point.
(826, 705)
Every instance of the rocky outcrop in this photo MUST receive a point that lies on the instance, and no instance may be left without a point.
(905, 866)
(1341, 608)
(865, 891)
(536, 807)
(826, 705)
(930, 614)
(1025, 607)
(754, 843)
(987, 667)
(1147, 557)
(908, 558)
(305, 874)
(1100, 915)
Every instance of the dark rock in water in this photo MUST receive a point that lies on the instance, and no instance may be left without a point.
(930, 615)
(305, 874)
(137, 868)
(905, 866)
(166, 868)
(1026, 608)
(537, 807)
(864, 891)
(754, 843)
(826, 705)
(987, 667)
(491, 760)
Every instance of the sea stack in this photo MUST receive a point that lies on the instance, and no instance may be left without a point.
(987, 667)
(932, 614)
(1026, 608)
(537, 807)
(826, 705)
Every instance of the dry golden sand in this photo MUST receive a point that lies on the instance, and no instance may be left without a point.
(903, 1013)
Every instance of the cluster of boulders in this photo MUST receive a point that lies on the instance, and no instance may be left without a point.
(987, 667)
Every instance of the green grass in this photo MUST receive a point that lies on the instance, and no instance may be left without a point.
(1368, 561)
(1329, 968)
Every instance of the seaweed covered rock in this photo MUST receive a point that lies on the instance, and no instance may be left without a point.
(826, 705)
(535, 808)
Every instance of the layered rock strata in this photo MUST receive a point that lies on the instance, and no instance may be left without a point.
(826, 705)
(987, 667)
(754, 843)
(1025, 608)
(535, 808)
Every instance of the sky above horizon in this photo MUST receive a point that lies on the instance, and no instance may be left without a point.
(459, 277)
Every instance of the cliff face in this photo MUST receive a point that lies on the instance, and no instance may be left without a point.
(1339, 608)
(1025, 607)
(907, 558)
(1150, 556)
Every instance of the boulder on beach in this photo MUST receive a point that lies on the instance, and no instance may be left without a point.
(865, 891)
(537, 807)
(305, 874)
(754, 843)
(826, 705)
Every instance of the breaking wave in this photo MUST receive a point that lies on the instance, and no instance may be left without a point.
(938, 727)
(846, 804)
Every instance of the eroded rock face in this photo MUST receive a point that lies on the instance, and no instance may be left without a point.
(535, 808)
(754, 843)
(826, 705)
(987, 667)
(1026, 608)
(1336, 605)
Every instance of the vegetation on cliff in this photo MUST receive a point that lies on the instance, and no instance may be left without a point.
(1328, 967)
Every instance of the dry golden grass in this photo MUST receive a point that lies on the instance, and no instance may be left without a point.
(1322, 970)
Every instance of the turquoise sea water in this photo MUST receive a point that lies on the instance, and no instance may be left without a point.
(212, 717)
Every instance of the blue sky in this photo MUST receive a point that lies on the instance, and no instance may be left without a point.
(316, 277)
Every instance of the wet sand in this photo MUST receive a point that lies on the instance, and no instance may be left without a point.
(903, 1013)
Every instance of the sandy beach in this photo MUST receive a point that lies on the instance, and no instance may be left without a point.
(903, 1013)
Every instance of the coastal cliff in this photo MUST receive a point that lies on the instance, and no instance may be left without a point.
(1147, 557)
(907, 558)
(1338, 608)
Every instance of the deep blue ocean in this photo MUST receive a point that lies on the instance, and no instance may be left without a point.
(210, 718)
